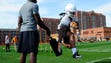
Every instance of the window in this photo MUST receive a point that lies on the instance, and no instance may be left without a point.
(93, 21)
(85, 22)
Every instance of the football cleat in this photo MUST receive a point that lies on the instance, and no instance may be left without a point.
(76, 55)
(60, 51)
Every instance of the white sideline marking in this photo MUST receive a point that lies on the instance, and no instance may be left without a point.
(98, 60)
(96, 50)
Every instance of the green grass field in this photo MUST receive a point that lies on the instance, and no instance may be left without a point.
(97, 52)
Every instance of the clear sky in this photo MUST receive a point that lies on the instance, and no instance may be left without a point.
(50, 9)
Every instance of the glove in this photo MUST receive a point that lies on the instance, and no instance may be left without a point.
(74, 24)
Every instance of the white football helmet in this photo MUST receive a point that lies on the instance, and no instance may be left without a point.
(70, 8)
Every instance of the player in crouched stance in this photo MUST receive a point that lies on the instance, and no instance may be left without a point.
(67, 30)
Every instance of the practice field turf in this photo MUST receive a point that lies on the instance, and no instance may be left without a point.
(96, 52)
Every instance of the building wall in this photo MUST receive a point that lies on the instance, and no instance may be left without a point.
(52, 24)
(86, 20)
(10, 32)
(107, 32)
(98, 33)
(90, 20)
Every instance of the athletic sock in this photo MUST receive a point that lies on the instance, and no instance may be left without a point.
(74, 50)
(59, 49)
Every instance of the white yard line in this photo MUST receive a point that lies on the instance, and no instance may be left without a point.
(96, 50)
(98, 60)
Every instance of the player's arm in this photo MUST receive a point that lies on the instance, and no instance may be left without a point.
(41, 23)
(19, 22)
(38, 19)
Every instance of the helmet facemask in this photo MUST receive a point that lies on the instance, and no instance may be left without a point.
(71, 14)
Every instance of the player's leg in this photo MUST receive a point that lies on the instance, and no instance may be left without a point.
(8, 47)
(15, 47)
(23, 57)
(66, 39)
(73, 46)
(60, 34)
(33, 57)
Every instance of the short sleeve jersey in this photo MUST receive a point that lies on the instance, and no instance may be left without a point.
(6, 39)
(26, 12)
(15, 39)
(66, 21)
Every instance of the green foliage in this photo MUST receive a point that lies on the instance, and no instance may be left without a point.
(91, 52)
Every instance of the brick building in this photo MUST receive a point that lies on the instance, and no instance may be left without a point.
(99, 33)
(10, 32)
(90, 20)
(86, 21)
(52, 24)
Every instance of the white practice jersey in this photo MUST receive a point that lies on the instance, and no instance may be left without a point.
(6, 39)
(66, 21)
